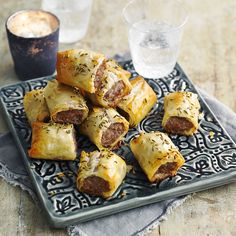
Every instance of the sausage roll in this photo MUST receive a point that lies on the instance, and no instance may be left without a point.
(114, 86)
(66, 105)
(100, 173)
(157, 155)
(181, 113)
(53, 141)
(35, 106)
(105, 128)
(80, 68)
(135, 106)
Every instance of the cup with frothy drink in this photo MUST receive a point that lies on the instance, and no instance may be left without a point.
(33, 42)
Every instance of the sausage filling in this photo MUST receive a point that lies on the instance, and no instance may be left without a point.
(71, 116)
(112, 134)
(99, 75)
(95, 185)
(167, 168)
(114, 94)
(178, 125)
(165, 171)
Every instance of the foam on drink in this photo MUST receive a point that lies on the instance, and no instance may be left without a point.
(32, 23)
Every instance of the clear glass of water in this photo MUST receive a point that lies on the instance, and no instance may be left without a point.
(73, 15)
(154, 30)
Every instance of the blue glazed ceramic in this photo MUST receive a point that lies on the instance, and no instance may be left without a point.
(210, 156)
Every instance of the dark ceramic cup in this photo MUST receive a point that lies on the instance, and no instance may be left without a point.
(33, 42)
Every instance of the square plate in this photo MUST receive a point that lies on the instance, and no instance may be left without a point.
(210, 157)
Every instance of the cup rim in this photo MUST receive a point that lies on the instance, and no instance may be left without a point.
(32, 10)
(163, 31)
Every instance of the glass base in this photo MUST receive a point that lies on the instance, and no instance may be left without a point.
(158, 71)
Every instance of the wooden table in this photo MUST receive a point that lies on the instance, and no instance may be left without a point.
(208, 55)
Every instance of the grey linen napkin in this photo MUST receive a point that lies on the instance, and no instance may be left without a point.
(133, 222)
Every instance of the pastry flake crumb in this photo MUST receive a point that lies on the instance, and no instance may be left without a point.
(123, 194)
(201, 115)
(129, 168)
(60, 174)
(211, 134)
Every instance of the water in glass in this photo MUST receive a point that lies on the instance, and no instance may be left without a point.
(154, 49)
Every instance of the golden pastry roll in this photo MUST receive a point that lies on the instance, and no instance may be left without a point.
(158, 157)
(53, 141)
(100, 173)
(105, 127)
(181, 113)
(114, 86)
(35, 106)
(135, 106)
(80, 68)
(66, 104)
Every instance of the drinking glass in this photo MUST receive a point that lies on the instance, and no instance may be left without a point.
(154, 29)
(74, 17)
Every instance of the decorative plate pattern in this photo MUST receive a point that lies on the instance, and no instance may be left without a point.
(208, 153)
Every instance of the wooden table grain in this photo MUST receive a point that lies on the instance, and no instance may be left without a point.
(208, 55)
